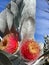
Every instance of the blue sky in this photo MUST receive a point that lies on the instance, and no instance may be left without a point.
(3, 4)
(42, 18)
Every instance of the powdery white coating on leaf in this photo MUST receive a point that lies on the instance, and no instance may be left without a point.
(29, 8)
(14, 8)
(6, 17)
(3, 21)
(10, 18)
(2, 25)
(28, 27)
(18, 1)
(3, 14)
